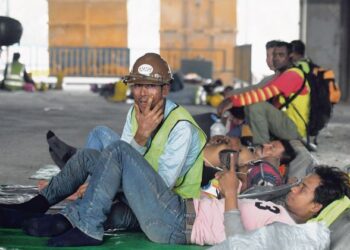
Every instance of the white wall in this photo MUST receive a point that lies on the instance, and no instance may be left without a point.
(259, 21)
(143, 27)
(33, 16)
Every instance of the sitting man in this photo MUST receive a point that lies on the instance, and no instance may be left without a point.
(281, 107)
(161, 213)
(15, 75)
(156, 127)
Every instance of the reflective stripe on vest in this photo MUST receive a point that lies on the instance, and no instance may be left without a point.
(14, 75)
(187, 186)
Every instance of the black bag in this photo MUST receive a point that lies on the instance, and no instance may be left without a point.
(320, 104)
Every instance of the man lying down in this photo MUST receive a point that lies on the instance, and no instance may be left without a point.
(162, 214)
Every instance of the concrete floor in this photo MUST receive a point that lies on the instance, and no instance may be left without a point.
(26, 117)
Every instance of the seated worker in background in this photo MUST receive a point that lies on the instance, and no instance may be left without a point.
(162, 214)
(237, 121)
(283, 121)
(15, 75)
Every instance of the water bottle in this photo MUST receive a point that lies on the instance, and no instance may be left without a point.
(217, 128)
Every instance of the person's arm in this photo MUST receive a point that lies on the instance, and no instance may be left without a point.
(148, 120)
(128, 136)
(250, 97)
(228, 185)
(180, 152)
(233, 223)
(287, 83)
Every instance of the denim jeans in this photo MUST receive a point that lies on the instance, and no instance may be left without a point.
(100, 137)
(264, 119)
(159, 211)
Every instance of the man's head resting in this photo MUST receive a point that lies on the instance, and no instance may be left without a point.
(316, 191)
(288, 154)
(334, 185)
(279, 149)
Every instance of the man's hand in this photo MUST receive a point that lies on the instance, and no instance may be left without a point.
(226, 104)
(148, 120)
(228, 185)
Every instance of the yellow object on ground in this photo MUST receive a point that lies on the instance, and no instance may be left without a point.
(59, 81)
(120, 89)
(41, 86)
(215, 100)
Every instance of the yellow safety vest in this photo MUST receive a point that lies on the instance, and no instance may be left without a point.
(187, 186)
(14, 76)
(298, 109)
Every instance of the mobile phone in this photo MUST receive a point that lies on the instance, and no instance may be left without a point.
(225, 157)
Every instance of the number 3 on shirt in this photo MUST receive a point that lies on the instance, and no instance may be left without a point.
(263, 206)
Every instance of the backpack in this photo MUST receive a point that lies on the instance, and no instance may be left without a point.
(263, 173)
(324, 93)
(320, 101)
(326, 75)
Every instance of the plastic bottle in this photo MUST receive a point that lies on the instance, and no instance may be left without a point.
(217, 128)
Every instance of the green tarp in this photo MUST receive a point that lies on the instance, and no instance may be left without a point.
(16, 239)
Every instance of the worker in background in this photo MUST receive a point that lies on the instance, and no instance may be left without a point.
(15, 75)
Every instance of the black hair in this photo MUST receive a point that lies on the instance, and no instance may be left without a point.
(284, 44)
(16, 56)
(237, 112)
(271, 44)
(289, 153)
(298, 47)
(335, 184)
(228, 88)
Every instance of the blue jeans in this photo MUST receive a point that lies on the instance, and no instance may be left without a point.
(101, 137)
(159, 211)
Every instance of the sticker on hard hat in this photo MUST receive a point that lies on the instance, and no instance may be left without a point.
(145, 69)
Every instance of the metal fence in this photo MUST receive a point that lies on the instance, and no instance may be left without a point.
(93, 62)
(175, 56)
